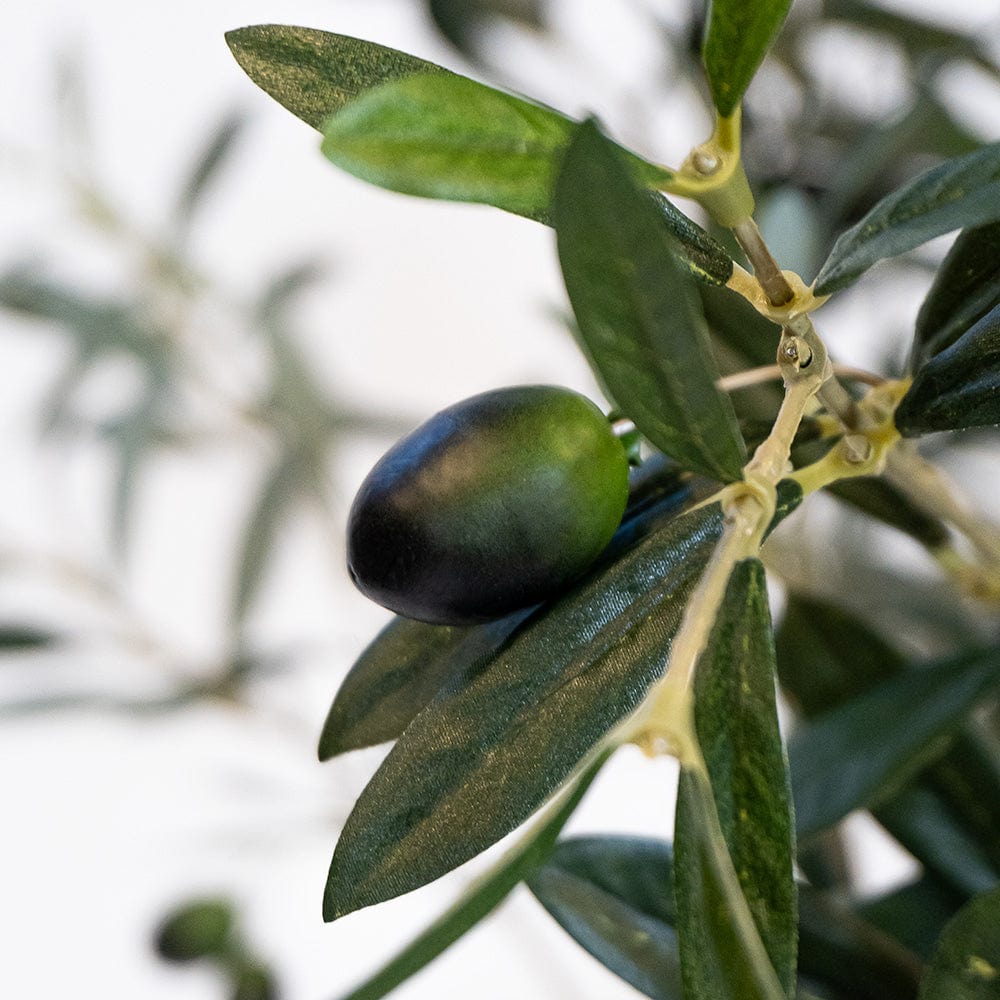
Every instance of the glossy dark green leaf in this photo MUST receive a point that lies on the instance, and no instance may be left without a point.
(850, 756)
(482, 899)
(638, 311)
(206, 168)
(966, 965)
(446, 136)
(16, 638)
(487, 751)
(613, 896)
(880, 499)
(399, 674)
(959, 387)
(315, 73)
(737, 38)
(962, 192)
(966, 288)
(737, 727)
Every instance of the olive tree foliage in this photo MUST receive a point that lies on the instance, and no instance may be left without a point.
(667, 640)
(736, 412)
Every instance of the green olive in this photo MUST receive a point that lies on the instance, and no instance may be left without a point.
(200, 928)
(494, 504)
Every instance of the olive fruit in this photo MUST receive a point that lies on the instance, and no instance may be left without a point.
(200, 928)
(493, 504)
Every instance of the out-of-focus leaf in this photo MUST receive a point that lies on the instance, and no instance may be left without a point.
(916, 35)
(958, 387)
(483, 898)
(486, 752)
(613, 896)
(839, 947)
(287, 481)
(880, 499)
(736, 41)
(462, 21)
(966, 288)
(826, 657)
(252, 980)
(915, 914)
(17, 638)
(315, 73)
(856, 753)
(962, 192)
(283, 289)
(206, 168)
(445, 136)
(638, 311)
(920, 819)
(737, 727)
(966, 964)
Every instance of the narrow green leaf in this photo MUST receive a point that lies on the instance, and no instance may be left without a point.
(915, 914)
(399, 674)
(883, 501)
(922, 821)
(446, 136)
(315, 73)
(961, 192)
(638, 311)
(16, 638)
(959, 387)
(826, 657)
(966, 288)
(613, 896)
(838, 947)
(853, 754)
(497, 741)
(738, 732)
(483, 898)
(464, 22)
(206, 168)
(737, 38)
(966, 965)
(282, 486)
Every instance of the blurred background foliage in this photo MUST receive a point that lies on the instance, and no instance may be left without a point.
(170, 361)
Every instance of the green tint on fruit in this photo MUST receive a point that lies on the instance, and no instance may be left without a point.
(493, 504)
(199, 929)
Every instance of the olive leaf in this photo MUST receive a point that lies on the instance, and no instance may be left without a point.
(915, 913)
(965, 289)
(482, 898)
(613, 896)
(961, 192)
(850, 756)
(966, 965)
(737, 728)
(638, 311)
(446, 136)
(18, 638)
(958, 387)
(737, 38)
(484, 754)
(315, 73)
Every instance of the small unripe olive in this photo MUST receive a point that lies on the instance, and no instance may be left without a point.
(492, 505)
(198, 929)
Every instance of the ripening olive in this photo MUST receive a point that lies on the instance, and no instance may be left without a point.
(492, 505)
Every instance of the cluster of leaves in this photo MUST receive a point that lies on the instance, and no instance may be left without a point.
(490, 721)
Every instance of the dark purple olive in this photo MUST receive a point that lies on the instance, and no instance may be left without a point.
(494, 504)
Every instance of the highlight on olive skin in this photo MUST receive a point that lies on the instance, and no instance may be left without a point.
(496, 503)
